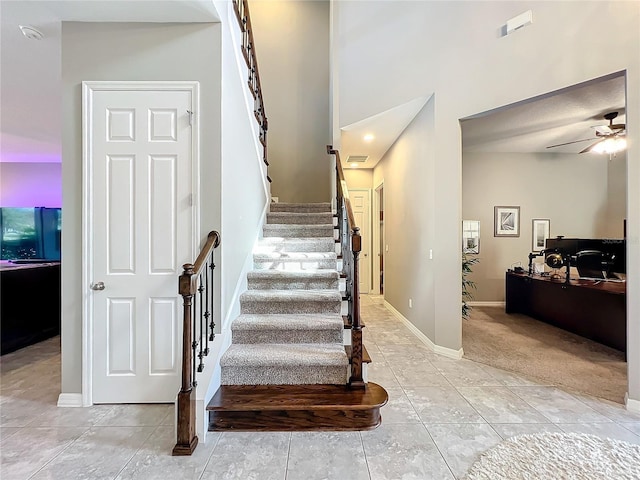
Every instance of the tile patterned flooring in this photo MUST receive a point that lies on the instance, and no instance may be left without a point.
(441, 415)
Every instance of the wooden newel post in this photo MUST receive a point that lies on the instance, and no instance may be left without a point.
(186, 430)
(356, 379)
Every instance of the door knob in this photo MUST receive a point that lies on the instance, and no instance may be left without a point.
(97, 286)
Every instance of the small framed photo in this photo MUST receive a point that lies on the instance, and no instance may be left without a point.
(539, 233)
(506, 221)
(471, 236)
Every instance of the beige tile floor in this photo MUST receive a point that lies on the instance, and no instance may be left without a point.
(441, 415)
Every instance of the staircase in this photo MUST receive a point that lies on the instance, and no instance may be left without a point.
(287, 367)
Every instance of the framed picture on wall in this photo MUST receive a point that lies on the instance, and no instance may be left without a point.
(506, 221)
(539, 233)
(471, 236)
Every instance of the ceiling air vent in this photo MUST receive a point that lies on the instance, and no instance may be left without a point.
(357, 158)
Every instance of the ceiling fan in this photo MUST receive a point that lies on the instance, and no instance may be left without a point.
(610, 138)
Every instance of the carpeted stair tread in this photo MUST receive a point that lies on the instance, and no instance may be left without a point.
(299, 321)
(290, 301)
(284, 364)
(285, 355)
(300, 207)
(297, 231)
(280, 329)
(282, 244)
(293, 280)
(295, 256)
(295, 260)
(291, 296)
(296, 218)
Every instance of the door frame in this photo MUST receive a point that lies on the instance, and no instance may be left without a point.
(88, 89)
(375, 226)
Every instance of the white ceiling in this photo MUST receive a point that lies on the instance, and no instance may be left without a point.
(30, 70)
(558, 117)
(385, 127)
(31, 90)
(528, 126)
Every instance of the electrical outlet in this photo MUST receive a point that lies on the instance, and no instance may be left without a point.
(410, 303)
(430, 254)
(386, 248)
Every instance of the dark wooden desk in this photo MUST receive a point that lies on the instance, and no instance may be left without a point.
(593, 309)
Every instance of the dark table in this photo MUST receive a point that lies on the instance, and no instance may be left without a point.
(595, 309)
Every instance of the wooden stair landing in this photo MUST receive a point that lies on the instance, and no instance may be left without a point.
(296, 407)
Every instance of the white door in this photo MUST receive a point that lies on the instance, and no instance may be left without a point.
(138, 149)
(360, 202)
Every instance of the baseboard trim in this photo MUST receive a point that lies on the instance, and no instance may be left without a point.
(486, 304)
(70, 400)
(440, 350)
(632, 405)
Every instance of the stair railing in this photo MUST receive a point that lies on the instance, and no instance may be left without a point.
(350, 247)
(195, 285)
(241, 8)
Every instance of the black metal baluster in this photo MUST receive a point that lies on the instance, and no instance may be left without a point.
(207, 312)
(201, 319)
(194, 342)
(212, 324)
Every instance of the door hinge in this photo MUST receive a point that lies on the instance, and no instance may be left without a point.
(190, 113)
(191, 199)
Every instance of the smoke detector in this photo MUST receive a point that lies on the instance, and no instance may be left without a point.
(31, 33)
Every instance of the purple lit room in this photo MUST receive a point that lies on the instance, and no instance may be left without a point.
(30, 226)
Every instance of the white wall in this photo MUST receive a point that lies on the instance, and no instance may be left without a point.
(292, 46)
(408, 272)
(361, 178)
(244, 194)
(573, 191)
(30, 184)
(391, 52)
(120, 51)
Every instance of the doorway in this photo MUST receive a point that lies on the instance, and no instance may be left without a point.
(361, 204)
(378, 239)
(494, 142)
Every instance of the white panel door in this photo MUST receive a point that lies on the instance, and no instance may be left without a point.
(141, 232)
(360, 202)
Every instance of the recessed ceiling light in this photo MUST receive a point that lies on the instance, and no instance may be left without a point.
(368, 137)
(31, 33)
(354, 165)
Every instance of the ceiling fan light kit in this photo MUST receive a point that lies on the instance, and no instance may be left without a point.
(610, 138)
(610, 146)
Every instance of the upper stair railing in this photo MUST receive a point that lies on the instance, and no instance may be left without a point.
(196, 287)
(241, 7)
(350, 247)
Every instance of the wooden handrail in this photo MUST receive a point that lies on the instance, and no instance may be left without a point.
(196, 279)
(351, 245)
(241, 9)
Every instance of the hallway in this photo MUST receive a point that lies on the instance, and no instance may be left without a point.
(442, 413)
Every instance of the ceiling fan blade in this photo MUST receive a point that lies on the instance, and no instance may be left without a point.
(569, 143)
(590, 147)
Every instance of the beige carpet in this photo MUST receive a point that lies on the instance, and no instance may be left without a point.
(553, 456)
(544, 353)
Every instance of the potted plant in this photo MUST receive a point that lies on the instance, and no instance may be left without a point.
(467, 285)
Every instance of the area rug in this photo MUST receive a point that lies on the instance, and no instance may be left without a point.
(558, 456)
(544, 353)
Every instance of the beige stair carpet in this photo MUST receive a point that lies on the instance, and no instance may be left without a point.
(290, 329)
